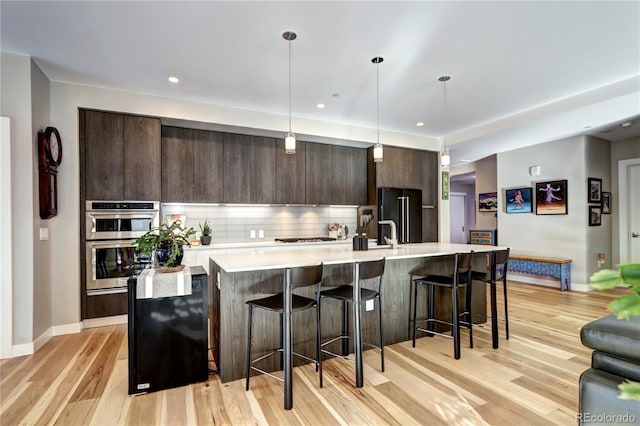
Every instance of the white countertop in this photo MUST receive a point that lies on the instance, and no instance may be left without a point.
(333, 255)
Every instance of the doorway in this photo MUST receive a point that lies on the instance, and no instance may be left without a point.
(457, 218)
(629, 205)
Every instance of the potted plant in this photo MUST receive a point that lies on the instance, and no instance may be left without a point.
(205, 229)
(625, 307)
(164, 243)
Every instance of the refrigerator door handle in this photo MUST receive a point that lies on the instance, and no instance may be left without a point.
(406, 220)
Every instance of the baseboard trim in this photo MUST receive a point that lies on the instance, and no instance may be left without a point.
(547, 283)
(21, 350)
(59, 330)
(105, 321)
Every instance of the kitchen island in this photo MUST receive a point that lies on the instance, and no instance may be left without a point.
(241, 276)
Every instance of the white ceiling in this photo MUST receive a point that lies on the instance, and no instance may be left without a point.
(522, 72)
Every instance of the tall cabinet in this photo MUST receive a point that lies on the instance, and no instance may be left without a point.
(408, 168)
(119, 160)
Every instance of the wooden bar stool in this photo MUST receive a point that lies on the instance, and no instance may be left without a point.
(461, 278)
(285, 304)
(356, 295)
(499, 262)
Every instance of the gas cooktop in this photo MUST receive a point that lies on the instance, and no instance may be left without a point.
(305, 239)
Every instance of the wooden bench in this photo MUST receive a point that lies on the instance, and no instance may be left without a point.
(543, 266)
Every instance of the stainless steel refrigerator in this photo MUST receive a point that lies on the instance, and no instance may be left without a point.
(404, 207)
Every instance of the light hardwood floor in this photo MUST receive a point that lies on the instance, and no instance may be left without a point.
(531, 380)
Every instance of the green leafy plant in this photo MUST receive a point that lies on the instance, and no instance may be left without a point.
(205, 229)
(174, 236)
(625, 307)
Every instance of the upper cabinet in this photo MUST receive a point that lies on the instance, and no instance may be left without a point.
(121, 156)
(290, 174)
(408, 168)
(319, 187)
(177, 165)
(349, 175)
(263, 170)
(237, 168)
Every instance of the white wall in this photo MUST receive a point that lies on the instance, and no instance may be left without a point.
(40, 102)
(16, 104)
(6, 252)
(598, 165)
(562, 236)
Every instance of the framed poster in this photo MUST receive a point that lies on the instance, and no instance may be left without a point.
(519, 200)
(551, 197)
(594, 186)
(606, 203)
(488, 202)
(595, 215)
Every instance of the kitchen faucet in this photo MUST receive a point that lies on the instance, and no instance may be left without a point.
(394, 239)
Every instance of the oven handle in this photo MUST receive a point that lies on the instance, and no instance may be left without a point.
(118, 214)
(102, 292)
(111, 244)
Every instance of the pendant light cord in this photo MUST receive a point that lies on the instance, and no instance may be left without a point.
(378, 99)
(289, 85)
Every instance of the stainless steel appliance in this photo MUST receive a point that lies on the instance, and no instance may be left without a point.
(111, 229)
(404, 207)
(111, 220)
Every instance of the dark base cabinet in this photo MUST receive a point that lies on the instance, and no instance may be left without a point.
(106, 305)
(168, 337)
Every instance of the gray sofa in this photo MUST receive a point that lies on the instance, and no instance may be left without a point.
(616, 357)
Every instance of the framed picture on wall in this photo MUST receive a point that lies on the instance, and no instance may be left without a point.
(519, 200)
(595, 215)
(606, 203)
(445, 185)
(551, 197)
(488, 202)
(594, 186)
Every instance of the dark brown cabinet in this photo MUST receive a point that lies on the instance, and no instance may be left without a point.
(408, 168)
(237, 168)
(290, 174)
(177, 165)
(121, 156)
(349, 175)
(191, 165)
(208, 148)
(263, 170)
(103, 172)
(319, 186)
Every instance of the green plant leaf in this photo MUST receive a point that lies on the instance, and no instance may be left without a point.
(629, 390)
(626, 306)
(630, 273)
(606, 279)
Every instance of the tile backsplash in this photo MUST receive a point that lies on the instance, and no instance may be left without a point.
(234, 223)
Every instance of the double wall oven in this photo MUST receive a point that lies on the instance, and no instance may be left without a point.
(111, 228)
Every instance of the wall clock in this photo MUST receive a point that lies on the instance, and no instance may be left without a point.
(49, 158)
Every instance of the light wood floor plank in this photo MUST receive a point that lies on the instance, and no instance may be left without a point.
(82, 379)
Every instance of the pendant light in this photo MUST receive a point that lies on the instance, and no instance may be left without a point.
(377, 149)
(290, 139)
(445, 159)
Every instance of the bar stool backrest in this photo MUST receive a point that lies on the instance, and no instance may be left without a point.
(306, 275)
(463, 263)
(372, 269)
(499, 264)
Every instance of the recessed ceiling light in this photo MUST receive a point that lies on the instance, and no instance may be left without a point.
(420, 124)
(320, 105)
(173, 79)
(336, 95)
(587, 127)
(626, 124)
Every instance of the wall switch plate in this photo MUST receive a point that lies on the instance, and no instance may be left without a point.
(44, 234)
(252, 233)
(368, 305)
(261, 233)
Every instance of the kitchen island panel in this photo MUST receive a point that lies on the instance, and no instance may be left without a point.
(233, 289)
